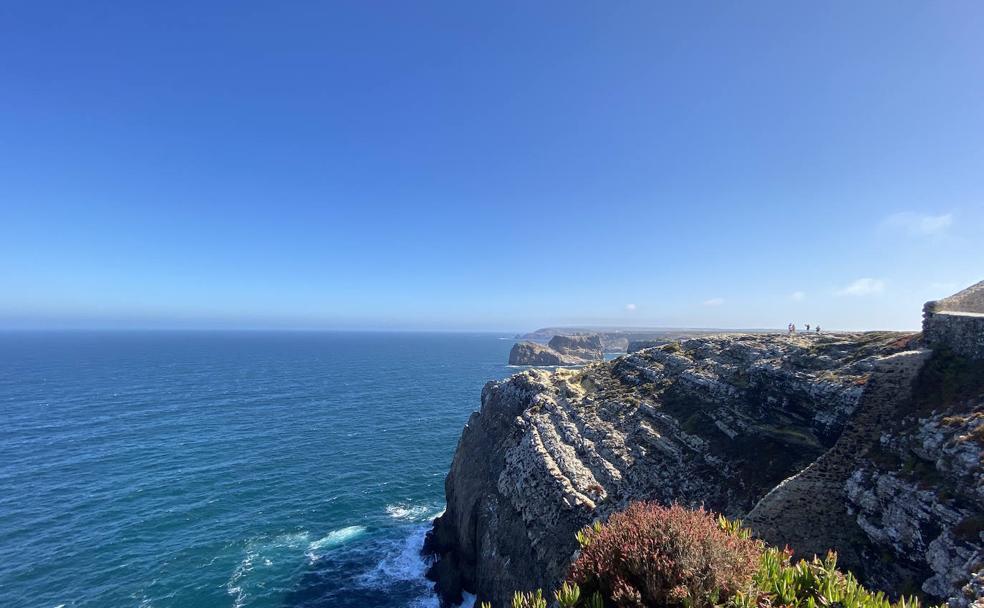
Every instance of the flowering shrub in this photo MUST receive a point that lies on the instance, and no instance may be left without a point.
(650, 555)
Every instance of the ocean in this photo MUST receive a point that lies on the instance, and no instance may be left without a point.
(228, 469)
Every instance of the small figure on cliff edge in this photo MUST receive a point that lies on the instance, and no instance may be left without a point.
(807, 328)
(818, 330)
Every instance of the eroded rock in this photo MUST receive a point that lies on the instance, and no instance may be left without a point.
(561, 350)
(718, 421)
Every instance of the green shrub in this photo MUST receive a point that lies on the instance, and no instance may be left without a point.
(529, 600)
(568, 595)
(809, 584)
(650, 556)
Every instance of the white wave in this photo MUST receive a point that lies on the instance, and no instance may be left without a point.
(234, 586)
(427, 601)
(405, 511)
(264, 557)
(404, 563)
(333, 539)
(432, 601)
(412, 512)
(262, 551)
(289, 541)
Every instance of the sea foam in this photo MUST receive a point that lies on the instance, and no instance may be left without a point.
(263, 551)
(333, 539)
(411, 512)
(403, 562)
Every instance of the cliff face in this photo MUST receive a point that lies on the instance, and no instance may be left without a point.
(718, 421)
(585, 347)
(918, 493)
(614, 339)
(532, 353)
(561, 350)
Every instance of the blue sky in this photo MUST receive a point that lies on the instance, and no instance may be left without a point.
(494, 166)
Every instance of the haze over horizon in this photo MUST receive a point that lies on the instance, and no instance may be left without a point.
(488, 166)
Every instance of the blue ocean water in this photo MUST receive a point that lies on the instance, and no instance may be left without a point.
(253, 469)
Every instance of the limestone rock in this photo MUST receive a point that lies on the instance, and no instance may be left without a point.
(867, 443)
(561, 350)
(717, 421)
(588, 348)
(532, 353)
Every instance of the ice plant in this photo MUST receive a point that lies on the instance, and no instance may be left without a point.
(650, 555)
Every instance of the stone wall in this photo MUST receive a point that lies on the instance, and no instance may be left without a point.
(957, 322)
(963, 333)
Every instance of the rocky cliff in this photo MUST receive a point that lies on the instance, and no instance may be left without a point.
(844, 441)
(561, 350)
(615, 339)
(532, 353)
(588, 348)
(637, 345)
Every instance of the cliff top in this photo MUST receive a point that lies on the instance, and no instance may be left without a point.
(716, 420)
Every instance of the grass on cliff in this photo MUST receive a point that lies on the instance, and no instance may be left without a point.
(650, 556)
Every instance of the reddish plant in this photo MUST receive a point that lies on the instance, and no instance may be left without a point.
(650, 555)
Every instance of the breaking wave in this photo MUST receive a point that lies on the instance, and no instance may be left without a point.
(333, 539)
(412, 512)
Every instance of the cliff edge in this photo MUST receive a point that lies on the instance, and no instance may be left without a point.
(867, 443)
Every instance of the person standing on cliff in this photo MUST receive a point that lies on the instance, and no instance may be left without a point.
(807, 328)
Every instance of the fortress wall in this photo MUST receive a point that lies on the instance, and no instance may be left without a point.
(957, 322)
(963, 333)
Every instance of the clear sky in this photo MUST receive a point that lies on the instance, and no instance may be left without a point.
(498, 166)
